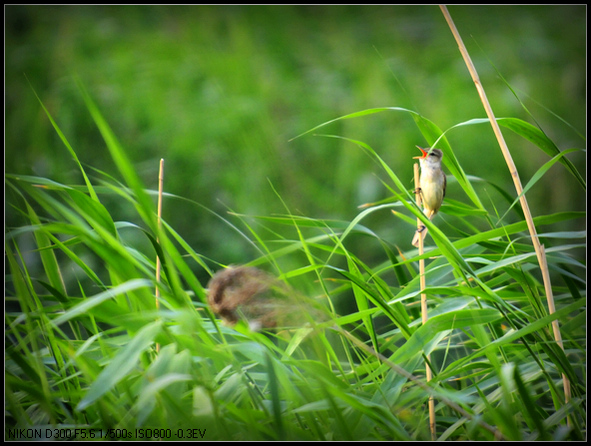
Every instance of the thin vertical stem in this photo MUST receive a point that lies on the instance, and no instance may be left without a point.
(540, 253)
(158, 266)
(424, 314)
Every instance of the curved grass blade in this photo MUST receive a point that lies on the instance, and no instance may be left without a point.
(92, 302)
(539, 138)
(121, 365)
(538, 175)
(67, 144)
(145, 206)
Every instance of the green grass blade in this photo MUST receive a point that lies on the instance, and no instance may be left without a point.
(145, 206)
(90, 303)
(121, 365)
(67, 144)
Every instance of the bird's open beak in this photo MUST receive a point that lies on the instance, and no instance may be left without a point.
(425, 152)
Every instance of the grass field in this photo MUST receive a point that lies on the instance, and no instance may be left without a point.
(241, 102)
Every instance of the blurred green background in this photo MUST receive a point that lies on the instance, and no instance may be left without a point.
(218, 92)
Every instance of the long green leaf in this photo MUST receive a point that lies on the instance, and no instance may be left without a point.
(145, 206)
(435, 324)
(68, 146)
(539, 138)
(119, 367)
(88, 304)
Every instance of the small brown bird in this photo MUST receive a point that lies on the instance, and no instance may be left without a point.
(260, 299)
(433, 184)
(244, 293)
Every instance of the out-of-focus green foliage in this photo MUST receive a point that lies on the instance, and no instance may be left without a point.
(218, 92)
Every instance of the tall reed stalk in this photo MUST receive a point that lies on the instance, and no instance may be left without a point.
(539, 248)
(424, 308)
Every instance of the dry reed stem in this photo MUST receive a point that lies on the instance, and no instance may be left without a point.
(540, 253)
(424, 314)
(158, 266)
